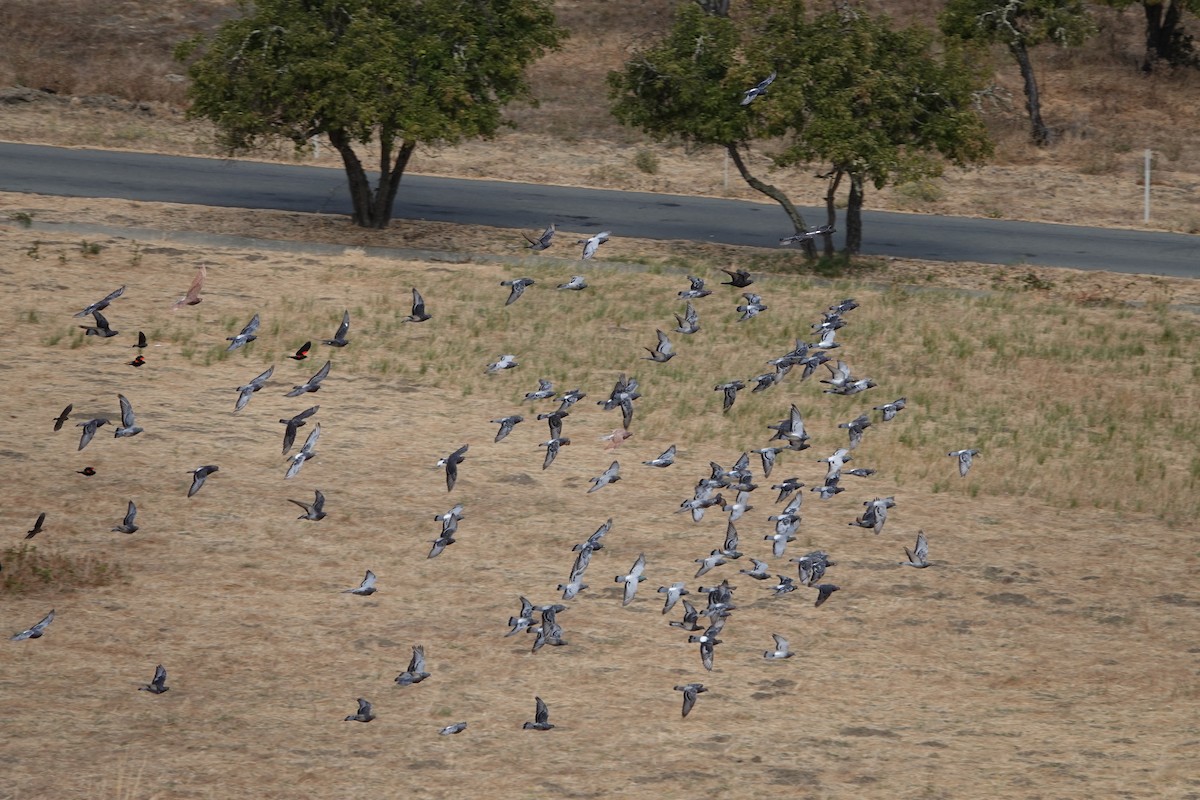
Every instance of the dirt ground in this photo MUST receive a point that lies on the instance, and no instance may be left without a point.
(1050, 652)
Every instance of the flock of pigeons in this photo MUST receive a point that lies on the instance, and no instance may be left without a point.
(728, 491)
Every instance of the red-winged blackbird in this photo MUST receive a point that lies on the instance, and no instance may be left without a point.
(89, 471)
(302, 353)
(137, 362)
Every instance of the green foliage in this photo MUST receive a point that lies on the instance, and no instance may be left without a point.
(394, 72)
(1027, 22)
(646, 161)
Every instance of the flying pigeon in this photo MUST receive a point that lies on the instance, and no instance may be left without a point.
(416, 668)
(759, 89)
(541, 718)
(632, 579)
(450, 520)
(823, 592)
(294, 424)
(367, 587)
(689, 323)
(714, 559)
(890, 410)
(102, 304)
(856, 427)
(760, 571)
(36, 631)
(673, 593)
(199, 475)
(418, 308)
(964, 460)
(781, 648)
(502, 363)
(128, 525)
(665, 460)
(690, 691)
(751, 308)
(315, 510)
(552, 447)
(804, 236)
(158, 685)
(730, 390)
(313, 384)
(128, 426)
(193, 293)
(101, 328)
(89, 430)
(919, 556)
(544, 391)
(450, 730)
(506, 425)
(695, 290)
(610, 475)
(592, 243)
(663, 351)
(524, 621)
(576, 284)
(364, 712)
(450, 463)
(516, 289)
(247, 391)
(339, 339)
(543, 241)
(306, 452)
(246, 336)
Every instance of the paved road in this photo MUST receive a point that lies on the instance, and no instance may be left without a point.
(248, 184)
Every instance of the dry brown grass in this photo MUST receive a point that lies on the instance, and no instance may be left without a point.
(1016, 667)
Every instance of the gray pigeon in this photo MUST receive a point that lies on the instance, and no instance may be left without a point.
(365, 588)
(418, 308)
(450, 730)
(364, 712)
(690, 690)
(506, 425)
(577, 284)
(544, 391)
(919, 556)
(158, 685)
(101, 304)
(315, 510)
(541, 718)
(964, 460)
(293, 425)
(758, 90)
(507, 361)
(856, 427)
(416, 668)
(89, 430)
(306, 452)
(313, 384)
(781, 648)
(689, 323)
(632, 579)
(199, 476)
(661, 352)
(450, 464)
(665, 460)
(516, 289)
(101, 328)
(610, 475)
(592, 243)
(36, 631)
(824, 590)
(245, 392)
(128, 426)
(128, 525)
(673, 593)
(245, 337)
(552, 447)
(543, 241)
(339, 339)
(890, 410)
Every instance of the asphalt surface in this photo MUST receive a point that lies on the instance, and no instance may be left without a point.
(249, 184)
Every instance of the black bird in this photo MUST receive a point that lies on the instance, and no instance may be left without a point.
(63, 417)
(418, 309)
(823, 592)
(339, 339)
(141, 342)
(451, 463)
(543, 241)
(739, 278)
(541, 718)
(100, 329)
(294, 424)
(302, 352)
(37, 526)
(158, 684)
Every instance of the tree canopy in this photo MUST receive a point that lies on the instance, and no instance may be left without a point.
(873, 103)
(387, 73)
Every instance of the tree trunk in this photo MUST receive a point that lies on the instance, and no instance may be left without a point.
(1041, 134)
(775, 194)
(835, 180)
(373, 206)
(1162, 34)
(854, 207)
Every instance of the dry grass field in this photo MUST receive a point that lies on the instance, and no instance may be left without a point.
(1050, 652)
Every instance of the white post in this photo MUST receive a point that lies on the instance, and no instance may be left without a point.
(316, 147)
(1146, 189)
(726, 171)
